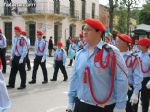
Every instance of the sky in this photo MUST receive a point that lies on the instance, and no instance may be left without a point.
(105, 2)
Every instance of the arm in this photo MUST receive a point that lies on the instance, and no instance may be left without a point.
(72, 93)
(45, 51)
(138, 78)
(5, 41)
(64, 57)
(121, 83)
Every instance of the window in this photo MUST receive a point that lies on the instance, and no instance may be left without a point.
(83, 9)
(93, 10)
(31, 6)
(72, 8)
(7, 7)
(56, 6)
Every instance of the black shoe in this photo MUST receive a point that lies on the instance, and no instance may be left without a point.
(65, 79)
(10, 87)
(28, 69)
(32, 82)
(53, 80)
(21, 87)
(44, 82)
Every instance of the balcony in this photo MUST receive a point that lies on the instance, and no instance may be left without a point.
(74, 16)
(40, 10)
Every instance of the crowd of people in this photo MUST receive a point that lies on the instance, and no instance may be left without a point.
(107, 76)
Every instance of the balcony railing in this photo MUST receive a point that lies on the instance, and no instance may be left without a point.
(40, 8)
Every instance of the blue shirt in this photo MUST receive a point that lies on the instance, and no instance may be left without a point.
(145, 58)
(135, 75)
(41, 48)
(4, 97)
(101, 79)
(19, 47)
(72, 50)
(3, 42)
(60, 55)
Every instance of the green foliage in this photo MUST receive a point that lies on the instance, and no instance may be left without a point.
(145, 14)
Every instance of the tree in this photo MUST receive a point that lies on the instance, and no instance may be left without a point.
(112, 5)
(145, 14)
(129, 4)
(121, 13)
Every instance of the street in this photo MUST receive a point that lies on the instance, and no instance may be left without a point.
(51, 97)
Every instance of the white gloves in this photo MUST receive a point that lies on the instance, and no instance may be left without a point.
(119, 110)
(69, 109)
(134, 99)
(42, 61)
(148, 85)
(20, 61)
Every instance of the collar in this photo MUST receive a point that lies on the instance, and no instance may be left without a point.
(99, 45)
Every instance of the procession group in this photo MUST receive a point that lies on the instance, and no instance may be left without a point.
(107, 76)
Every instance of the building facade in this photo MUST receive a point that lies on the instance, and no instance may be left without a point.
(57, 18)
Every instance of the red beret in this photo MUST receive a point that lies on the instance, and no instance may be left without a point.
(125, 38)
(59, 43)
(72, 39)
(18, 28)
(96, 24)
(81, 35)
(23, 33)
(0, 30)
(144, 42)
(39, 32)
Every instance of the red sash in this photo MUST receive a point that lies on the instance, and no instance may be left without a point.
(87, 75)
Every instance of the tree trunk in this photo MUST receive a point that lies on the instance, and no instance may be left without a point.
(111, 11)
(128, 19)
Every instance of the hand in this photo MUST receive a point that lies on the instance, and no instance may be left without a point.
(119, 110)
(148, 85)
(42, 61)
(20, 61)
(134, 99)
(69, 109)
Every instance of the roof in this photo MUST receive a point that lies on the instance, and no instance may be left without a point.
(143, 27)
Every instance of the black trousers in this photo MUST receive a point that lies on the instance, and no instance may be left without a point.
(129, 107)
(145, 95)
(14, 69)
(28, 61)
(37, 62)
(59, 64)
(50, 52)
(71, 61)
(3, 58)
(84, 107)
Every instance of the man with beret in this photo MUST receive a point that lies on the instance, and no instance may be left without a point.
(18, 54)
(41, 50)
(3, 45)
(59, 62)
(144, 44)
(28, 44)
(135, 76)
(98, 82)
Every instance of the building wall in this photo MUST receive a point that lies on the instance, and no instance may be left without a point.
(46, 19)
(104, 14)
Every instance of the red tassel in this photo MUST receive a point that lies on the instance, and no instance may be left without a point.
(85, 76)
